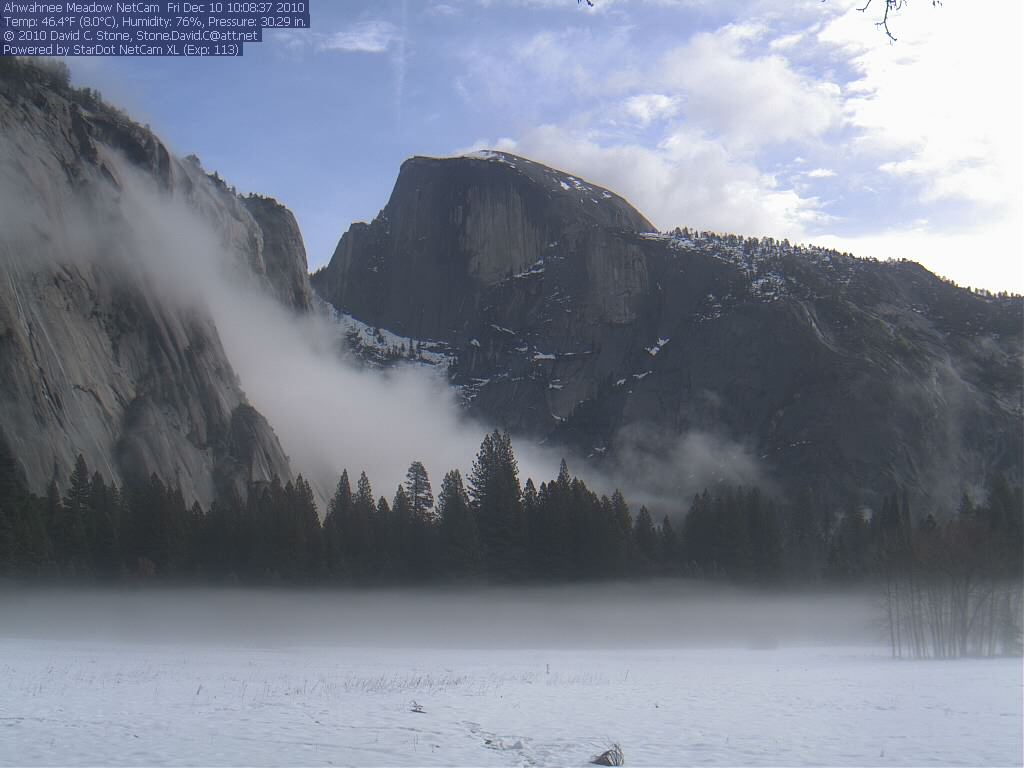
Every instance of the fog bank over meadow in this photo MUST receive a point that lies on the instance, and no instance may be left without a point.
(656, 614)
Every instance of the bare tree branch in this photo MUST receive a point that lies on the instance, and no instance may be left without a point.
(890, 5)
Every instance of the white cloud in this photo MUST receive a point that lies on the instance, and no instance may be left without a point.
(531, 74)
(364, 37)
(288, 40)
(944, 103)
(645, 108)
(785, 42)
(695, 134)
(689, 180)
(714, 107)
(939, 114)
(749, 100)
(546, 53)
(983, 256)
(503, 144)
(557, 61)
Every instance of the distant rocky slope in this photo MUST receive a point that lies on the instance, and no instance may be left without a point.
(563, 315)
(94, 359)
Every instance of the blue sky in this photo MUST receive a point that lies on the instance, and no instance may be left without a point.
(790, 119)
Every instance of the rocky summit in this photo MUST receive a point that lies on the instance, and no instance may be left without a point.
(563, 315)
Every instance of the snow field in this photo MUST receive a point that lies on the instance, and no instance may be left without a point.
(130, 703)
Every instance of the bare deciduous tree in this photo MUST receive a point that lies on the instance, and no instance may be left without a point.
(951, 589)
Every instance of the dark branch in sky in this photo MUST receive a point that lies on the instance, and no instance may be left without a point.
(891, 5)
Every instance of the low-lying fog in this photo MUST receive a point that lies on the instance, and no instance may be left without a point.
(675, 673)
(627, 615)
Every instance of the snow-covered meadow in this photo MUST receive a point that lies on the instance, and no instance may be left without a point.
(518, 677)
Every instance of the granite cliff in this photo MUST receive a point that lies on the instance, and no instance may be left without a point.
(451, 230)
(562, 315)
(95, 358)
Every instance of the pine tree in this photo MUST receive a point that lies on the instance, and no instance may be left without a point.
(10, 483)
(849, 548)
(271, 545)
(227, 538)
(496, 499)
(36, 550)
(308, 536)
(669, 544)
(645, 536)
(535, 527)
(772, 548)
(585, 514)
(417, 488)
(804, 535)
(622, 532)
(697, 535)
(77, 515)
(10, 543)
(557, 537)
(174, 542)
(459, 535)
(359, 545)
(103, 531)
(148, 525)
(401, 522)
(563, 478)
(53, 517)
(732, 546)
(339, 511)
(196, 536)
(8, 536)
(383, 565)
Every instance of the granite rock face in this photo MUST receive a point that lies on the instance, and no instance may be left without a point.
(94, 358)
(282, 250)
(567, 319)
(452, 229)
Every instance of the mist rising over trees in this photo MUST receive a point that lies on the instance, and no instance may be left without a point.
(952, 587)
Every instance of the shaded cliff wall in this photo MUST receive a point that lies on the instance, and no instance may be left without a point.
(453, 227)
(103, 349)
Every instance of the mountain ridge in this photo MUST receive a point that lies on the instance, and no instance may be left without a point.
(850, 376)
(671, 359)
